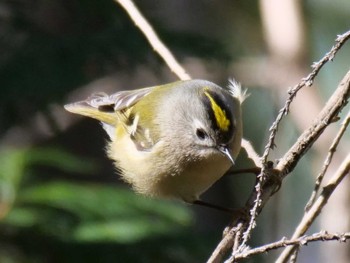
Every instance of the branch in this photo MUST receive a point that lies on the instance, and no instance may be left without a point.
(252, 154)
(153, 39)
(261, 195)
(307, 81)
(316, 208)
(328, 114)
(328, 161)
(274, 128)
(301, 241)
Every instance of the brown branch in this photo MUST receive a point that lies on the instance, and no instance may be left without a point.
(316, 208)
(328, 161)
(274, 128)
(284, 242)
(307, 81)
(153, 39)
(327, 116)
(252, 154)
(286, 165)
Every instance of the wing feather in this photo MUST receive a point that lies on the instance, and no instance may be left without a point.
(119, 101)
(103, 107)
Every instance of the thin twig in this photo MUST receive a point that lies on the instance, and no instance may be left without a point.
(327, 116)
(237, 237)
(307, 81)
(252, 154)
(317, 206)
(294, 257)
(153, 39)
(300, 241)
(228, 241)
(328, 161)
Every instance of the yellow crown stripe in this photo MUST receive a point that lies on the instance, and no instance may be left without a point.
(220, 115)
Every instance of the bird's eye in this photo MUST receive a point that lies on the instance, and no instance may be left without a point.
(201, 134)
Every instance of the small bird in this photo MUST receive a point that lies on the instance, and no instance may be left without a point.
(173, 140)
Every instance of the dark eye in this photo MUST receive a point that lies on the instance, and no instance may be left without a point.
(201, 134)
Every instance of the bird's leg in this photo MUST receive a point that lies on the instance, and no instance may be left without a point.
(217, 207)
(236, 213)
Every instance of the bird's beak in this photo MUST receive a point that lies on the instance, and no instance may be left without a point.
(226, 151)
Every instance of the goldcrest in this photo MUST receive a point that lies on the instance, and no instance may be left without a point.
(173, 140)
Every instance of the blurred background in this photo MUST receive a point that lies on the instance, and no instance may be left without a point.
(61, 200)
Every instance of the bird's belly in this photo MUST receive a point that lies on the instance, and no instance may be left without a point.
(171, 180)
(195, 179)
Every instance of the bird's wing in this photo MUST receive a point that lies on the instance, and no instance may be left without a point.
(103, 107)
(117, 101)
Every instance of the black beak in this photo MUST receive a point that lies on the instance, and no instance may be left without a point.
(226, 151)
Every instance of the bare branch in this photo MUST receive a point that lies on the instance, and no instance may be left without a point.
(301, 241)
(308, 81)
(153, 39)
(310, 216)
(328, 161)
(327, 116)
(274, 128)
(252, 154)
(229, 241)
(286, 165)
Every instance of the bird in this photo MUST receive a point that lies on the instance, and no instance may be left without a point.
(173, 140)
